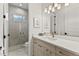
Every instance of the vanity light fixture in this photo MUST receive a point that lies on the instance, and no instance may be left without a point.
(53, 9)
(45, 10)
(48, 11)
(56, 4)
(59, 6)
(50, 7)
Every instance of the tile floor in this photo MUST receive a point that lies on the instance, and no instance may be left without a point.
(19, 50)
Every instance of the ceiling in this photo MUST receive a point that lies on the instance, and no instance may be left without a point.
(21, 5)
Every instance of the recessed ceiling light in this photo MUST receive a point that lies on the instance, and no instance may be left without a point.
(20, 4)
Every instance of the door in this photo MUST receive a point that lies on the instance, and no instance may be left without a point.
(17, 26)
(1, 29)
(24, 29)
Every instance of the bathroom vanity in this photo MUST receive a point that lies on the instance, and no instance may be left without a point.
(47, 46)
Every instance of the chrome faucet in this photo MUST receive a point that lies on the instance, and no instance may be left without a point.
(52, 34)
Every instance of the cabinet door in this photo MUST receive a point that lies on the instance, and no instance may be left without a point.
(52, 50)
(41, 48)
(35, 47)
(49, 49)
(63, 52)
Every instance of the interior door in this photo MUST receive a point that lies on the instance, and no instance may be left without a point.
(1, 29)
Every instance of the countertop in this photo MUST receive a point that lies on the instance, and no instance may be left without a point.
(64, 43)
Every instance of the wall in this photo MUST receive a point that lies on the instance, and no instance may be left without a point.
(36, 10)
(46, 18)
(14, 29)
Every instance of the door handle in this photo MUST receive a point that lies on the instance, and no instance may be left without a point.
(0, 47)
(4, 36)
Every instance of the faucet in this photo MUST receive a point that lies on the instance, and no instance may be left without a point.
(52, 34)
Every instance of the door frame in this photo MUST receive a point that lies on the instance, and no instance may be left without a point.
(5, 28)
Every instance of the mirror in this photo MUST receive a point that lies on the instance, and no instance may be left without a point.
(67, 20)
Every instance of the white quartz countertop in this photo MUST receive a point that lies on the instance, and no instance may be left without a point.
(67, 44)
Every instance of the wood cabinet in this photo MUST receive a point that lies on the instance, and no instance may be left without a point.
(42, 48)
(62, 52)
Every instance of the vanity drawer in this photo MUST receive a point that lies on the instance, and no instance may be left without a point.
(63, 52)
(35, 40)
(48, 49)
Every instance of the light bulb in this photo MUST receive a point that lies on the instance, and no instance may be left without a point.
(45, 10)
(48, 12)
(66, 4)
(59, 7)
(55, 5)
(50, 7)
(53, 9)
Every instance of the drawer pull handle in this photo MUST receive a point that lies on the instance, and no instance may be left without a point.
(40, 45)
(61, 52)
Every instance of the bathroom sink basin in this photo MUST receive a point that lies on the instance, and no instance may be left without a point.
(50, 37)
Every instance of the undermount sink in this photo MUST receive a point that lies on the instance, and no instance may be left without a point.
(50, 37)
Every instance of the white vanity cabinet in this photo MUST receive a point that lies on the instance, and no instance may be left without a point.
(42, 48)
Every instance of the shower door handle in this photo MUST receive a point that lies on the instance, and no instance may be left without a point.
(23, 32)
(20, 32)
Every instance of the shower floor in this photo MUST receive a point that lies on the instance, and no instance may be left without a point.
(18, 50)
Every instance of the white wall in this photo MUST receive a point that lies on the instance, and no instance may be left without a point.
(46, 18)
(36, 10)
